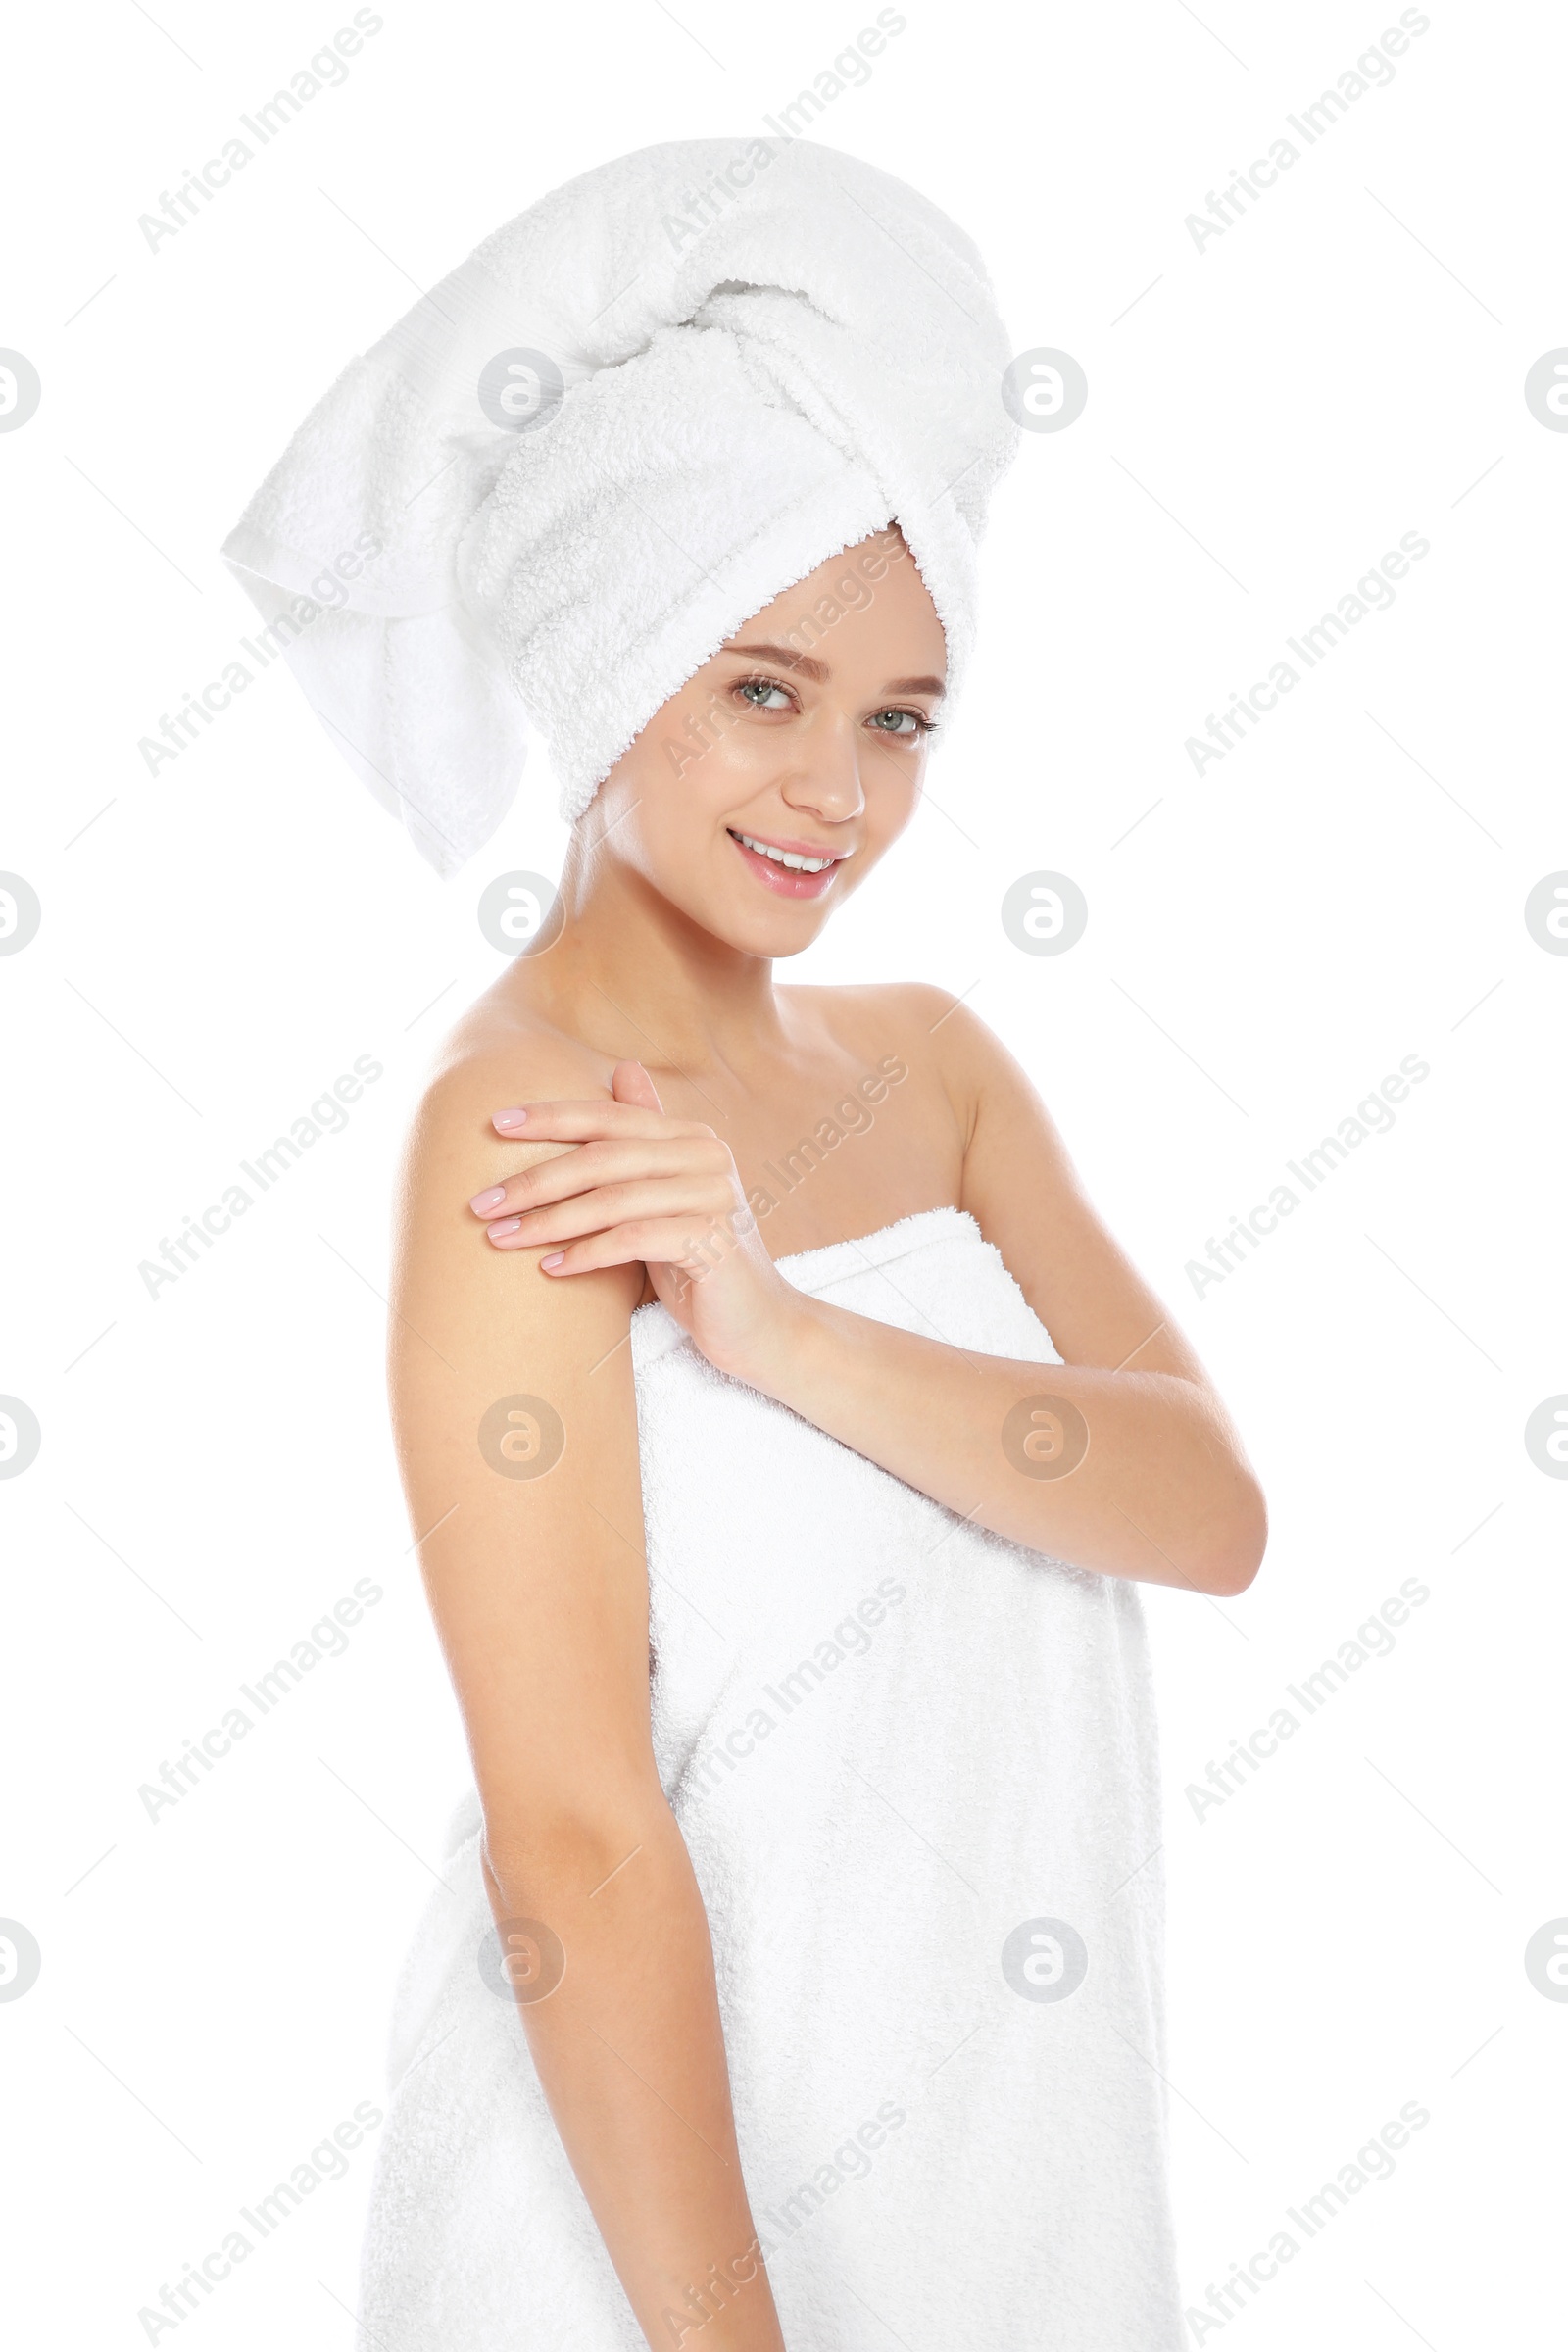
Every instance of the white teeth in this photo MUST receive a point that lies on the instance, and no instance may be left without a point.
(796, 864)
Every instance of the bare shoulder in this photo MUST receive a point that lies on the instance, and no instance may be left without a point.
(887, 1015)
(928, 1028)
(1020, 1185)
(484, 1300)
(1016, 1175)
(492, 1059)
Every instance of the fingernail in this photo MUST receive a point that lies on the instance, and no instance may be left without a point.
(510, 1118)
(550, 1263)
(483, 1203)
(498, 1233)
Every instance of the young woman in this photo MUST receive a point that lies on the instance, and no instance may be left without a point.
(785, 1436)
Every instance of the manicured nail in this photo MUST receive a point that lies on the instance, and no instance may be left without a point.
(516, 1117)
(550, 1263)
(483, 1203)
(499, 1233)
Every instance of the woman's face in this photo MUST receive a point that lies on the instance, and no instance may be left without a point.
(806, 736)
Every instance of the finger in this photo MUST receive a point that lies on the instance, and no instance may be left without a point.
(593, 1165)
(629, 1082)
(575, 1122)
(613, 1205)
(684, 1242)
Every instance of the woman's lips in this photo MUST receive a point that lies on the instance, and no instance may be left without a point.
(784, 881)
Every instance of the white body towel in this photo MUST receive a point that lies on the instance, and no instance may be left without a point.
(901, 1751)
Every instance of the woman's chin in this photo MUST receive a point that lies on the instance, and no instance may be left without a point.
(773, 933)
(754, 920)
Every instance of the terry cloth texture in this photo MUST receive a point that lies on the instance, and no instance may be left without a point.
(914, 1765)
(546, 496)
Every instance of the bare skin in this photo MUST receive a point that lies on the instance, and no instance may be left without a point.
(599, 1136)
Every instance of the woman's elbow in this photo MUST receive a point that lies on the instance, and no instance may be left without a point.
(557, 1849)
(1234, 1552)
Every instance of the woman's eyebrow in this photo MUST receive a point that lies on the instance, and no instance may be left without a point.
(786, 658)
(818, 672)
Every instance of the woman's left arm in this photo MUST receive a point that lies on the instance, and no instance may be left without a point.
(1120, 1458)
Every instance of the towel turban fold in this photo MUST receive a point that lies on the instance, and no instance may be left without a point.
(632, 417)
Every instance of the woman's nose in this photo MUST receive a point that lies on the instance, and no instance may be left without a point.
(824, 774)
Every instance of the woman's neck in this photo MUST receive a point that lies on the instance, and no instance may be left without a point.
(622, 970)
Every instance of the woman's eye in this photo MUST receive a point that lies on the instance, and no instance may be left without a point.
(908, 723)
(755, 689)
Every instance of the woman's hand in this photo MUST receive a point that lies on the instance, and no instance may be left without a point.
(642, 1187)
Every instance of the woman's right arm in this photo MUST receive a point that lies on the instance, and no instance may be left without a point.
(538, 1586)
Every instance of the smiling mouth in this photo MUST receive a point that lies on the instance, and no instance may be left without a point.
(797, 872)
(794, 861)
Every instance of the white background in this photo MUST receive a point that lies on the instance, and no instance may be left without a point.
(1266, 417)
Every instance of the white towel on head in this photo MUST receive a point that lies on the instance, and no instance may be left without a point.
(633, 416)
